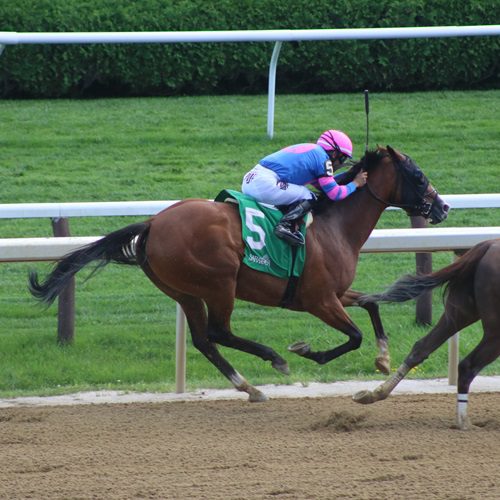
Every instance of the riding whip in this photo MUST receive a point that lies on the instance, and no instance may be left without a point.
(367, 112)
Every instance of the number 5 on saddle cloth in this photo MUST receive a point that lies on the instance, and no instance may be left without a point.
(263, 250)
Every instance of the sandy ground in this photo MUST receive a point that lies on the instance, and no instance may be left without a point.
(321, 446)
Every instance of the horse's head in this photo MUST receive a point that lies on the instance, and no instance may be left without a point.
(405, 186)
(417, 195)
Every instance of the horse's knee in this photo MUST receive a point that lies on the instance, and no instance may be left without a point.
(203, 344)
(355, 340)
(213, 336)
(217, 335)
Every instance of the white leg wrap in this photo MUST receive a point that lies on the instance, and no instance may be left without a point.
(400, 374)
(462, 401)
(238, 380)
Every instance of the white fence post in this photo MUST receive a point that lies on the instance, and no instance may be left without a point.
(272, 89)
(180, 350)
(453, 359)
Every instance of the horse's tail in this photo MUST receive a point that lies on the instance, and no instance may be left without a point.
(412, 286)
(120, 247)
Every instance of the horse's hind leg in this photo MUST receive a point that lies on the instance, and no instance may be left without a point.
(383, 359)
(196, 316)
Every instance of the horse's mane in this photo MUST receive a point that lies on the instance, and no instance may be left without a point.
(367, 163)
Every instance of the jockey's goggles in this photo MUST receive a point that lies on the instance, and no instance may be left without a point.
(339, 156)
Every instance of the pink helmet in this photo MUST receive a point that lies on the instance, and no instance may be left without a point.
(335, 139)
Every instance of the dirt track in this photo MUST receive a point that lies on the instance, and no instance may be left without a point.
(320, 448)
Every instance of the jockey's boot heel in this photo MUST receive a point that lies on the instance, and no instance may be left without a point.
(284, 228)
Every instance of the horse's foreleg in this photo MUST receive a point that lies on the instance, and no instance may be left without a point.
(487, 351)
(219, 313)
(213, 355)
(383, 359)
(487, 299)
(383, 390)
(420, 352)
(447, 326)
(335, 316)
(228, 339)
(198, 326)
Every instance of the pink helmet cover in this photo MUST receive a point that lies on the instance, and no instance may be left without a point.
(335, 139)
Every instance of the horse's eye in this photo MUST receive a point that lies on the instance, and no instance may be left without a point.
(420, 178)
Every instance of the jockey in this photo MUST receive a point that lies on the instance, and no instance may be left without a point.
(280, 179)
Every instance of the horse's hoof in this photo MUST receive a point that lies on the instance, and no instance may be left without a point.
(463, 424)
(364, 397)
(281, 367)
(300, 348)
(255, 396)
(383, 365)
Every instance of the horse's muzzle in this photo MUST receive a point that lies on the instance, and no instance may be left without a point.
(438, 213)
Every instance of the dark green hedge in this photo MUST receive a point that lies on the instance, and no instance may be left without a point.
(173, 69)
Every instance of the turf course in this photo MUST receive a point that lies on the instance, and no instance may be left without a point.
(174, 148)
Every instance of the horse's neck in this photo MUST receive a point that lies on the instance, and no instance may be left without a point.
(355, 217)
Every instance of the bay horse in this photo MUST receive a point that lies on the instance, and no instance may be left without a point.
(472, 291)
(193, 252)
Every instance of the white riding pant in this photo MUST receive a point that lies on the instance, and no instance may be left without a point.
(265, 186)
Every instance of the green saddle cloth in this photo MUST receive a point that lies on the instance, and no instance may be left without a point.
(263, 250)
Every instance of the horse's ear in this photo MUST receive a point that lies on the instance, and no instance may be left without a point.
(395, 155)
(391, 151)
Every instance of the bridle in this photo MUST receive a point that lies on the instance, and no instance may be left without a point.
(425, 201)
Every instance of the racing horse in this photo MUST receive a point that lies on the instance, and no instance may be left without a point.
(193, 252)
(472, 290)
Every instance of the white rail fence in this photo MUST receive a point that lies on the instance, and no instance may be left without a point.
(126, 208)
(382, 240)
(276, 36)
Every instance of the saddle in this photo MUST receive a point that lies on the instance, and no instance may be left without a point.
(263, 250)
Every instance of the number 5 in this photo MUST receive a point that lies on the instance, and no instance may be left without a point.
(260, 242)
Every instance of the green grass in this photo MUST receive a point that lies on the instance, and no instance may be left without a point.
(149, 149)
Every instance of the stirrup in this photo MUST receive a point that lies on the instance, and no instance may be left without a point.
(293, 239)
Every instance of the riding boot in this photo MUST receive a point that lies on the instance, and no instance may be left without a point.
(286, 227)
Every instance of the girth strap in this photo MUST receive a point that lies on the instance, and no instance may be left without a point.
(291, 286)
